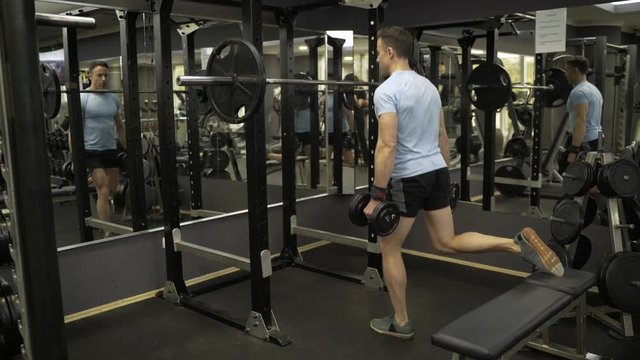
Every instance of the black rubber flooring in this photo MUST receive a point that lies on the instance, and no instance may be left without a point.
(326, 318)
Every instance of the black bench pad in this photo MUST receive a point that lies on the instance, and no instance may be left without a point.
(495, 327)
(573, 283)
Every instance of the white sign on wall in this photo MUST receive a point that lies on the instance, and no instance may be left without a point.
(551, 30)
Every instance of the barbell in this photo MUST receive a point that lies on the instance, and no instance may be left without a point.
(52, 94)
(236, 80)
(490, 87)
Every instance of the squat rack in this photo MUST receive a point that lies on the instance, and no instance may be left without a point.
(290, 255)
(25, 169)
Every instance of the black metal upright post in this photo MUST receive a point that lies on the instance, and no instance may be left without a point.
(336, 45)
(130, 94)
(376, 22)
(78, 156)
(193, 129)
(434, 65)
(536, 146)
(314, 114)
(166, 131)
(489, 132)
(630, 92)
(257, 178)
(25, 159)
(466, 43)
(286, 20)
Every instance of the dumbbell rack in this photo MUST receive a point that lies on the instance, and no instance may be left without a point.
(619, 241)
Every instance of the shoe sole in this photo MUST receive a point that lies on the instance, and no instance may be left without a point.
(394, 334)
(549, 259)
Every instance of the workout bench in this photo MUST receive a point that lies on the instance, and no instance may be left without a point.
(522, 317)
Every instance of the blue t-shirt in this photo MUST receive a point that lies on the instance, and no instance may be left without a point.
(586, 93)
(345, 121)
(303, 121)
(416, 102)
(98, 111)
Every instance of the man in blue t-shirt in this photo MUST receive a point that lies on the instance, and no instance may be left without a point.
(585, 110)
(411, 171)
(102, 123)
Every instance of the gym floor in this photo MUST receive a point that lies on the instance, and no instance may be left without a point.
(326, 318)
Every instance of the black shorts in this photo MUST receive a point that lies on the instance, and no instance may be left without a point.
(428, 191)
(102, 159)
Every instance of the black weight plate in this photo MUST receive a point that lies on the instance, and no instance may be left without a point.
(385, 219)
(517, 147)
(635, 245)
(567, 230)
(624, 178)
(602, 182)
(239, 59)
(559, 95)
(583, 252)
(575, 177)
(475, 144)
(511, 172)
(563, 254)
(590, 211)
(493, 86)
(356, 209)
(525, 116)
(51, 95)
(219, 160)
(602, 282)
(218, 140)
(622, 279)
(5, 241)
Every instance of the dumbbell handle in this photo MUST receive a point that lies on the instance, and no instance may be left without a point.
(569, 176)
(560, 220)
(625, 226)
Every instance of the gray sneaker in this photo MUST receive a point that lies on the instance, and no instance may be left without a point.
(389, 326)
(536, 252)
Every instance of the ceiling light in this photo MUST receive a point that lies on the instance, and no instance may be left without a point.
(348, 58)
(303, 47)
(624, 2)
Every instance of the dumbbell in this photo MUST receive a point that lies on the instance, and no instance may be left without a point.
(454, 195)
(384, 219)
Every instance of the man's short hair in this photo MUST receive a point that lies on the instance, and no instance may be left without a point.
(397, 38)
(579, 62)
(95, 64)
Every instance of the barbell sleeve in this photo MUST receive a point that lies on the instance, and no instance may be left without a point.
(533, 87)
(65, 21)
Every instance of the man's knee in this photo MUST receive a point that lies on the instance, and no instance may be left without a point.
(444, 246)
(103, 191)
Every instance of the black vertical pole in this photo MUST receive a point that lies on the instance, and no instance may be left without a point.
(466, 43)
(193, 130)
(376, 21)
(337, 44)
(434, 66)
(25, 159)
(536, 146)
(489, 132)
(257, 177)
(285, 22)
(314, 118)
(599, 73)
(130, 94)
(78, 156)
(630, 92)
(166, 131)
